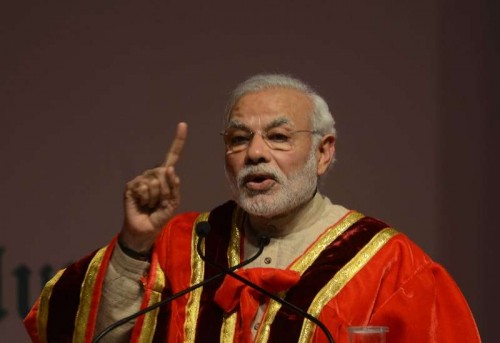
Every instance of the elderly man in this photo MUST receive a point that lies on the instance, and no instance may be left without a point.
(340, 266)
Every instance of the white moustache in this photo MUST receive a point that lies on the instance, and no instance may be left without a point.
(269, 171)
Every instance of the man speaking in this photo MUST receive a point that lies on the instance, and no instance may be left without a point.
(341, 267)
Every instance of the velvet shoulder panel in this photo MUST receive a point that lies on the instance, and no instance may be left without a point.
(53, 316)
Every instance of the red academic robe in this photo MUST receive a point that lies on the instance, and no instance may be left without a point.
(358, 272)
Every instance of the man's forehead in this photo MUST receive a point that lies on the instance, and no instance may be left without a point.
(271, 106)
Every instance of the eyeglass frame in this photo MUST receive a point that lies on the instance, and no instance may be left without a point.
(264, 138)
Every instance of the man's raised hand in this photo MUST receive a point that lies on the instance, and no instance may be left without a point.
(152, 197)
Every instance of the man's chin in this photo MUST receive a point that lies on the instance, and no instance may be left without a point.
(252, 194)
(261, 204)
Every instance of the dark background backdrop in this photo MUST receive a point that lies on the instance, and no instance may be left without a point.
(90, 94)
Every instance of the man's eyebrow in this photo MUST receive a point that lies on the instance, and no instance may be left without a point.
(277, 122)
(236, 124)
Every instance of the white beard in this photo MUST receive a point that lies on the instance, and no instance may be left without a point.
(293, 191)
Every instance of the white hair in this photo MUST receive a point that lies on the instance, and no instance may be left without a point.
(322, 119)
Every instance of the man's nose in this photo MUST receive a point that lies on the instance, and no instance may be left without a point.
(257, 151)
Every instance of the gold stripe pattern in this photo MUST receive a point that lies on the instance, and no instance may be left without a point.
(197, 274)
(233, 254)
(324, 241)
(43, 307)
(86, 292)
(234, 249)
(228, 328)
(150, 318)
(342, 277)
(304, 262)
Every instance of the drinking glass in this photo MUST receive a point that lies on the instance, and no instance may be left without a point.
(367, 334)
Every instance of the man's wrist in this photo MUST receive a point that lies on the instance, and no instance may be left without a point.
(144, 255)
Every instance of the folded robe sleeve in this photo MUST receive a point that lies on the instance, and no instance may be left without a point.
(403, 289)
(429, 307)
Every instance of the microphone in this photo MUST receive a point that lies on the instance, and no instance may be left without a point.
(202, 230)
(230, 272)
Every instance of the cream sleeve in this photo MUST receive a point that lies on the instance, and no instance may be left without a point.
(122, 295)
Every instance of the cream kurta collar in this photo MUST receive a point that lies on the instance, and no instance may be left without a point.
(298, 232)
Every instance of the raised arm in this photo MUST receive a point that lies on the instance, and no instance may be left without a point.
(151, 198)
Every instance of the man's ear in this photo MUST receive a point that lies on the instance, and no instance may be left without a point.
(325, 153)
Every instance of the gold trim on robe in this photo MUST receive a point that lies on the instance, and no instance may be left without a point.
(301, 265)
(43, 307)
(341, 278)
(228, 328)
(86, 293)
(150, 318)
(197, 274)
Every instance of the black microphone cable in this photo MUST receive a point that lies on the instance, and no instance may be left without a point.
(202, 230)
(296, 309)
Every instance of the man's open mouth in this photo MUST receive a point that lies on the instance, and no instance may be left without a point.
(258, 181)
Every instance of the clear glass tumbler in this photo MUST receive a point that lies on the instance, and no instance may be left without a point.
(367, 334)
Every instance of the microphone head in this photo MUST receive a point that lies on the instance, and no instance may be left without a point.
(264, 240)
(202, 229)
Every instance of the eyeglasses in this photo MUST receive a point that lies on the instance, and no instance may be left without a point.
(238, 139)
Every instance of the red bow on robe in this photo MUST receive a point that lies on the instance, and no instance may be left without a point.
(233, 292)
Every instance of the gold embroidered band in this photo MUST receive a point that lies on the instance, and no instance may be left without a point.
(342, 277)
(197, 274)
(43, 307)
(233, 254)
(305, 262)
(150, 318)
(86, 292)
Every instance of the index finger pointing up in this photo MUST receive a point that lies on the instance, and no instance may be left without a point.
(176, 146)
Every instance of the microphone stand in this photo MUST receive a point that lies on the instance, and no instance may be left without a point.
(296, 309)
(201, 235)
